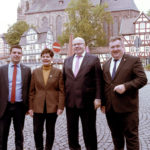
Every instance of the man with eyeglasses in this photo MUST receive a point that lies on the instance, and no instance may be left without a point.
(83, 84)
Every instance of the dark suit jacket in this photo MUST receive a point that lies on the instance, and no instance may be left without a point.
(4, 91)
(82, 90)
(130, 73)
(52, 93)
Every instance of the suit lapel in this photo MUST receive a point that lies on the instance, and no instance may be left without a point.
(6, 74)
(50, 76)
(40, 76)
(70, 62)
(84, 64)
(108, 69)
(123, 60)
(23, 74)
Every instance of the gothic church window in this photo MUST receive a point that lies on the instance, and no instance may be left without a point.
(44, 22)
(58, 26)
(115, 26)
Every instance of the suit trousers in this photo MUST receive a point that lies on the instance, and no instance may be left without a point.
(16, 112)
(38, 125)
(88, 120)
(124, 126)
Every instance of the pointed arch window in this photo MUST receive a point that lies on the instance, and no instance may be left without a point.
(58, 26)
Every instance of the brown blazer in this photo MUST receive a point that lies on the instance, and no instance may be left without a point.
(52, 93)
(130, 73)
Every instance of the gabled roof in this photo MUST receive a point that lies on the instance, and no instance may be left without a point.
(42, 35)
(142, 14)
(127, 26)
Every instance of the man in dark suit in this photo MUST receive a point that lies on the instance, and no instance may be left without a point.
(123, 76)
(83, 79)
(14, 81)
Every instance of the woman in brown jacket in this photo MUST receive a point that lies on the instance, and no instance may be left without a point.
(46, 99)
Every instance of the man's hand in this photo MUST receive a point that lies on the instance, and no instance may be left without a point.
(30, 112)
(59, 111)
(97, 103)
(120, 89)
(102, 109)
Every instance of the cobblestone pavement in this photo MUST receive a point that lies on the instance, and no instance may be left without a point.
(103, 133)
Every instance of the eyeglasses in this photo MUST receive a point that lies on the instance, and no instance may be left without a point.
(78, 44)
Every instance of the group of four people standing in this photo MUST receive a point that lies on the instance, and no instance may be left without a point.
(82, 87)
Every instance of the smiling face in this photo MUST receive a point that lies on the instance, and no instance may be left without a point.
(117, 49)
(16, 55)
(46, 59)
(78, 46)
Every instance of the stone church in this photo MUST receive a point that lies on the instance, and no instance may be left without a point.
(51, 13)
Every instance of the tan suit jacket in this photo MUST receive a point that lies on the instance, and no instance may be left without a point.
(52, 93)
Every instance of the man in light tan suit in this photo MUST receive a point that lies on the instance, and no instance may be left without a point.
(46, 99)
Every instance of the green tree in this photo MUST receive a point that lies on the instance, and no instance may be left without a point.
(15, 32)
(148, 13)
(87, 21)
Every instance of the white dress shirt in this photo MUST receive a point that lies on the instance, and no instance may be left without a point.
(80, 61)
(112, 65)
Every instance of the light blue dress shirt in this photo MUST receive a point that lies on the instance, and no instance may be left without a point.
(18, 96)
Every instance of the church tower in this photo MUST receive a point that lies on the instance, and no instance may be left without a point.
(23, 7)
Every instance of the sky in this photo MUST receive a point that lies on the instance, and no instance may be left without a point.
(8, 12)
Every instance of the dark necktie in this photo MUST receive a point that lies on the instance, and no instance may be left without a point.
(13, 90)
(114, 69)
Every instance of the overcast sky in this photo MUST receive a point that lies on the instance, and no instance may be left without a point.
(8, 11)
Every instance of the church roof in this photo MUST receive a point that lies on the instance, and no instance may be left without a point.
(47, 5)
(127, 26)
(54, 5)
(119, 5)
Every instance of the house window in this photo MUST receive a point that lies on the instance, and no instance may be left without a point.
(136, 28)
(132, 49)
(147, 37)
(147, 49)
(142, 27)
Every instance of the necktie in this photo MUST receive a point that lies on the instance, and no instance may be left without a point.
(13, 90)
(114, 69)
(77, 66)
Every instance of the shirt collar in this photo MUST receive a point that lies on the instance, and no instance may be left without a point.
(117, 60)
(82, 55)
(11, 64)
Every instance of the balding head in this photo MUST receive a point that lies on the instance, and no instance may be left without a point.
(78, 39)
(78, 45)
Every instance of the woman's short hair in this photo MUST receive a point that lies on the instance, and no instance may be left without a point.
(47, 51)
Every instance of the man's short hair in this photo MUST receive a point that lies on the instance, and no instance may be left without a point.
(15, 46)
(115, 38)
(47, 51)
